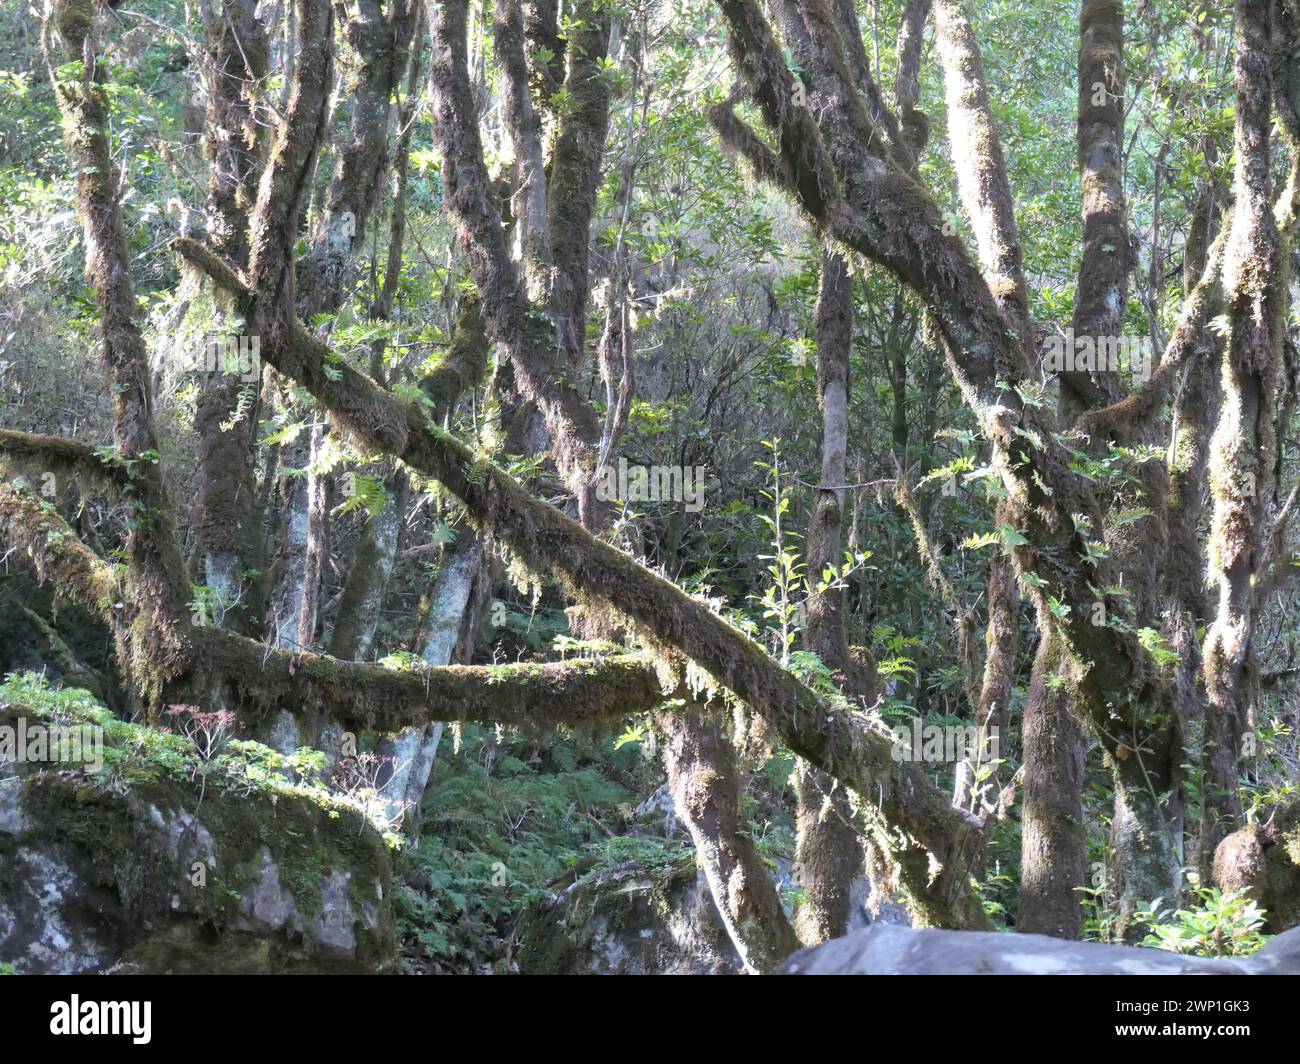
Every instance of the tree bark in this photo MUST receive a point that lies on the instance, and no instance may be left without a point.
(907, 77)
(706, 786)
(828, 851)
(546, 541)
(982, 177)
(540, 339)
(1053, 856)
(147, 645)
(366, 586)
(229, 520)
(378, 45)
(304, 502)
(539, 536)
(413, 750)
(1245, 442)
(1103, 272)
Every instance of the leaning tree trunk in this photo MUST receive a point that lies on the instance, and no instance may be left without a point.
(706, 785)
(377, 47)
(540, 537)
(146, 637)
(542, 336)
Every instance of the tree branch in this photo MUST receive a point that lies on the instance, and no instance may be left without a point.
(58, 556)
(60, 453)
(582, 691)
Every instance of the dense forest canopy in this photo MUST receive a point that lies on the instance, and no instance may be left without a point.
(761, 466)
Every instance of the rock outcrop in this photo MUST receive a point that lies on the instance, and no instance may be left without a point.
(143, 856)
(637, 918)
(1265, 859)
(886, 949)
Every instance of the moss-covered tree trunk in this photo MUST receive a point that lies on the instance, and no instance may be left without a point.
(1053, 855)
(828, 850)
(706, 785)
(377, 48)
(236, 52)
(1053, 858)
(1243, 450)
(366, 586)
(148, 646)
(357, 619)
(539, 536)
(1195, 413)
(544, 337)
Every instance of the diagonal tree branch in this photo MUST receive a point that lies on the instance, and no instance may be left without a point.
(155, 581)
(892, 220)
(845, 745)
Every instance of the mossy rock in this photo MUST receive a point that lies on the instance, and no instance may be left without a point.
(636, 918)
(1265, 858)
(154, 860)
